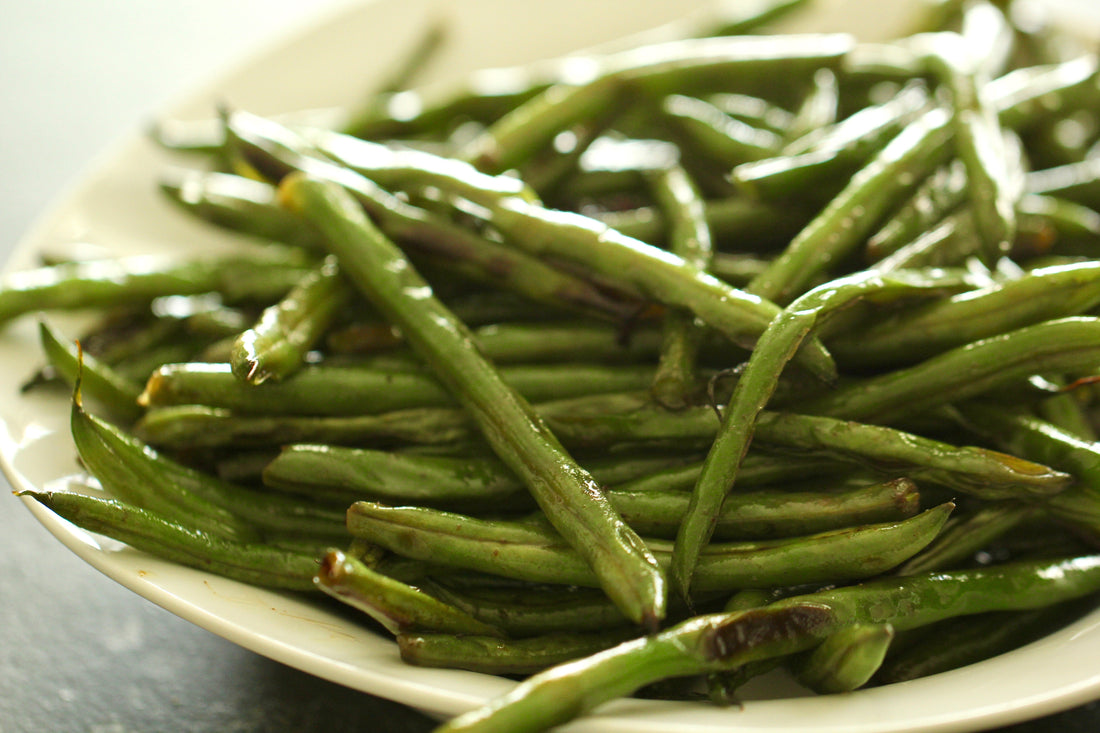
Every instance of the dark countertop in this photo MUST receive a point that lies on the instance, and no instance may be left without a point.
(77, 651)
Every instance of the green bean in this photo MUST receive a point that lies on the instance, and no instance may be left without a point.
(490, 655)
(398, 607)
(754, 110)
(275, 347)
(851, 215)
(103, 384)
(847, 659)
(490, 93)
(1027, 95)
(912, 334)
(550, 342)
(770, 514)
(659, 274)
(689, 237)
(740, 18)
(938, 196)
(430, 41)
(753, 391)
(279, 151)
(722, 642)
(239, 204)
(964, 537)
(687, 66)
(953, 241)
(388, 167)
(534, 552)
(738, 218)
(568, 494)
(253, 563)
(198, 426)
(626, 419)
(348, 474)
(117, 461)
(833, 151)
(992, 190)
(758, 469)
(140, 279)
(958, 642)
(1066, 344)
(976, 471)
(137, 473)
(820, 106)
(358, 390)
(1070, 221)
(1030, 436)
(533, 611)
(711, 133)
(1076, 182)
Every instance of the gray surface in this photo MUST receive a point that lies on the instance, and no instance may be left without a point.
(77, 651)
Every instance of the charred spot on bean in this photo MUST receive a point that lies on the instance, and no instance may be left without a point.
(760, 626)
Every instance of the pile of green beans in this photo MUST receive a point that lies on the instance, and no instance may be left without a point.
(748, 351)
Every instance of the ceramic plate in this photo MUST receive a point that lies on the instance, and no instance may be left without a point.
(331, 62)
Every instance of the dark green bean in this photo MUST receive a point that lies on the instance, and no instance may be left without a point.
(568, 494)
(140, 279)
(687, 66)
(275, 347)
(533, 551)
(349, 474)
(709, 132)
(843, 223)
(770, 514)
(1066, 344)
(680, 200)
(144, 530)
(321, 389)
(534, 610)
(911, 334)
(400, 608)
(846, 660)
(490, 655)
(238, 203)
(828, 155)
(279, 151)
(666, 278)
(722, 642)
(101, 383)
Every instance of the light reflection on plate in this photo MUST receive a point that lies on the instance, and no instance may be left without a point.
(117, 207)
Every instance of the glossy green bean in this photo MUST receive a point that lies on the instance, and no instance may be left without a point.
(722, 642)
(275, 346)
(532, 551)
(566, 493)
(909, 335)
(666, 278)
(846, 660)
(687, 66)
(488, 655)
(140, 279)
(252, 563)
(400, 608)
(103, 384)
(360, 390)
(676, 376)
(1066, 344)
(840, 227)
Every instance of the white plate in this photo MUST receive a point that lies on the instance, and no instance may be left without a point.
(116, 206)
